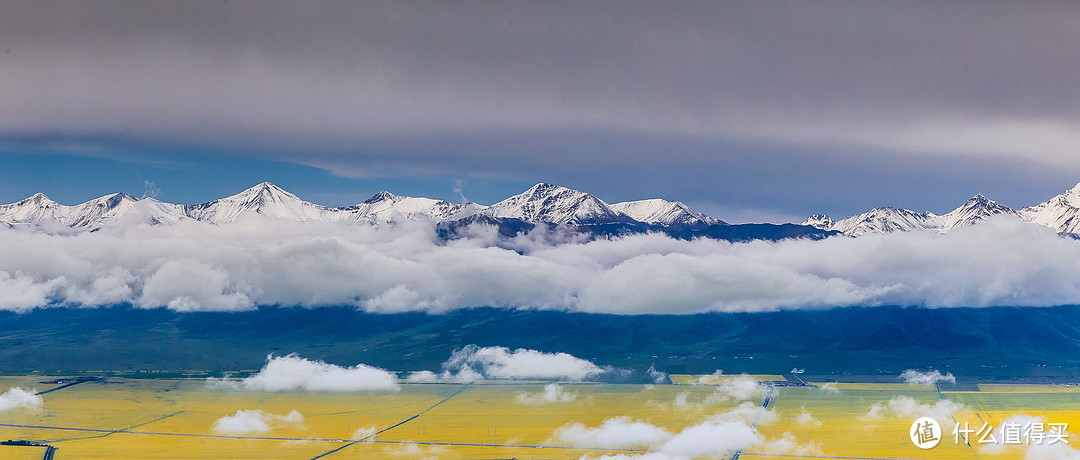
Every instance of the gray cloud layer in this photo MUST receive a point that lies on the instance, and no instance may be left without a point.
(511, 88)
(196, 266)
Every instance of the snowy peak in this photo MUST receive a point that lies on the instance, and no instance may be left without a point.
(821, 221)
(886, 220)
(556, 204)
(37, 199)
(97, 211)
(381, 196)
(265, 199)
(33, 210)
(385, 207)
(975, 210)
(663, 212)
(40, 211)
(265, 193)
(1061, 212)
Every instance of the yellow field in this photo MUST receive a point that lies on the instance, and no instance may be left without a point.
(175, 419)
(21, 453)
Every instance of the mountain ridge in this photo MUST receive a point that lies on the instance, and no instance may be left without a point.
(1061, 213)
(542, 205)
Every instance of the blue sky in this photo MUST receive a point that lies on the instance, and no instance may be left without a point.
(196, 178)
(748, 111)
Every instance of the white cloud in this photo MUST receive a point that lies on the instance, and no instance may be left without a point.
(413, 450)
(718, 434)
(806, 418)
(905, 407)
(1056, 451)
(926, 377)
(422, 376)
(195, 266)
(711, 438)
(367, 433)
(657, 376)
(285, 373)
(17, 397)
(829, 387)
(1033, 450)
(473, 363)
(552, 393)
(613, 433)
(788, 445)
(646, 456)
(255, 422)
(735, 388)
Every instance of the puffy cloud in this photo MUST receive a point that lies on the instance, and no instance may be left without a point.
(186, 284)
(366, 434)
(718, 434)
(473, 363)
(712, 437)
(646, 456)
(613, 433)
(1034, 450)
(788, 445)
(829, 387)
(422, 376)
(261, 261)
(285, 373)
(806, 418)
(926, 377)
(255, 421)
(905, 407)
(552, 393)
(413, 450)
(735, 388)
(1056, 451)
(657, 376)
(17, 397)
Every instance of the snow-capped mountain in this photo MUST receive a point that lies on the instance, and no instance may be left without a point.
(542, 204)
(878, 220)
(886, 220)
(582, 213)
(1061, 212)
(558, 205)
(975, 210)
(663, 212)
(385, 207)
(39, 210)
(266, 199)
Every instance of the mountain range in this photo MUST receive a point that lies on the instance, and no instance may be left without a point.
(1061, 213)
(541, 205)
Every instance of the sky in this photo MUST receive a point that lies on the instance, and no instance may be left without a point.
(748, 111)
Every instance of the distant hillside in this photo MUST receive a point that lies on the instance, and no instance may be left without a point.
(998, 343)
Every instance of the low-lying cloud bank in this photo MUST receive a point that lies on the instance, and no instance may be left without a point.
(286, 373)
(260, 261)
